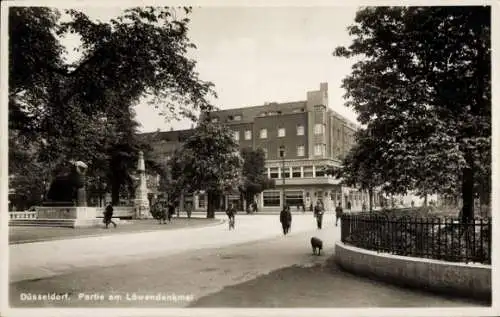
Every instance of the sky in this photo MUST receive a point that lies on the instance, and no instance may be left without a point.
(255, 55)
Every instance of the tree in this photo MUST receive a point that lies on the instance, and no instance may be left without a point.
(254, 180)
(422, 87)
(82, 110)
(208, 161)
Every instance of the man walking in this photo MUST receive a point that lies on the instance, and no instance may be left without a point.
(286, 219)
(319, 210)
(170, 211)
(338, 213)
(189, 210)
(108, 215)
(231, 212)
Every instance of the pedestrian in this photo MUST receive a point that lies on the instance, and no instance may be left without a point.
(189, 210)
(231, 212)
(349, 206)
(338, 213)
(160, 212)
(254, 206)
(108, 215)
(319, 210)
(286, 219)
(363, 207)
(170, 211)
(412, 204)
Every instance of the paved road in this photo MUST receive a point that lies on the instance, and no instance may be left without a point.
(253, 266)
(45, 259)
(28, 234)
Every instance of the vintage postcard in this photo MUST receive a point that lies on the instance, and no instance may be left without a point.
(248, 157)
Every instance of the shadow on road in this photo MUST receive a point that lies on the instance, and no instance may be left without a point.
(323, 286)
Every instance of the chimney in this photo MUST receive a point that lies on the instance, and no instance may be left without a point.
(323, 87)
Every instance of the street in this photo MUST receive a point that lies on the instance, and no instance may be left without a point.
(252, 266)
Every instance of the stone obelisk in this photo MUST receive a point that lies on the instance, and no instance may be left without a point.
(141, 202)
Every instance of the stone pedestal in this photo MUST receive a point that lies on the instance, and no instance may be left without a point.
(70, 216)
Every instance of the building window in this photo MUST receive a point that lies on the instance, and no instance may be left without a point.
(248, 135)
(236, 135)
(319, 129)
(274, 172)
(285, 173)
(271, 199)
(263, 133)
(281, 132)
(318, 149)
(293, 198)
(300, 130)
(308, 171)
(301, 149)
(320, 171)
(237, 118)
(296, 172)
(281, 152)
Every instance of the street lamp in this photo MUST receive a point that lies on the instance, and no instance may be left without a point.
(282, 156)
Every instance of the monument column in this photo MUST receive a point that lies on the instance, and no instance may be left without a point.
(141, 202)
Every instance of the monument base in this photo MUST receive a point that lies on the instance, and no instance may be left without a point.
(62, 216)
(64, 223)
(142, 210)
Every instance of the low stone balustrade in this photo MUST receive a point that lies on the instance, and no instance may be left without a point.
(22, 215)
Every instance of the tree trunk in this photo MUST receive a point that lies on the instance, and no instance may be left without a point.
(115, 193)
(210, 204)
(467, 194)
(249, 197)
(484, 195)
(370, 199)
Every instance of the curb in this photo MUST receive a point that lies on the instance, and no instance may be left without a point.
(435, 276)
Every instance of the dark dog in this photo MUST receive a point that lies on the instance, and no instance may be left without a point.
(316, 243)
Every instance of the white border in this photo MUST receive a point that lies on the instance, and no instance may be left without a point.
(5, 311)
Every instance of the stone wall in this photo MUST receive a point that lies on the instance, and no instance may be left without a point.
(469, 280)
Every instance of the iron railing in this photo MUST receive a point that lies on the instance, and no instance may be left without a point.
(433, 238)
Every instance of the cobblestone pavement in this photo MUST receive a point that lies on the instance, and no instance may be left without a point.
(236, 269)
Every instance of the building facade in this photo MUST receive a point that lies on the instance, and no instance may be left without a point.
(300, 140)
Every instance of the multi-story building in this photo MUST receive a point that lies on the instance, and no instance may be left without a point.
(301, 140)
